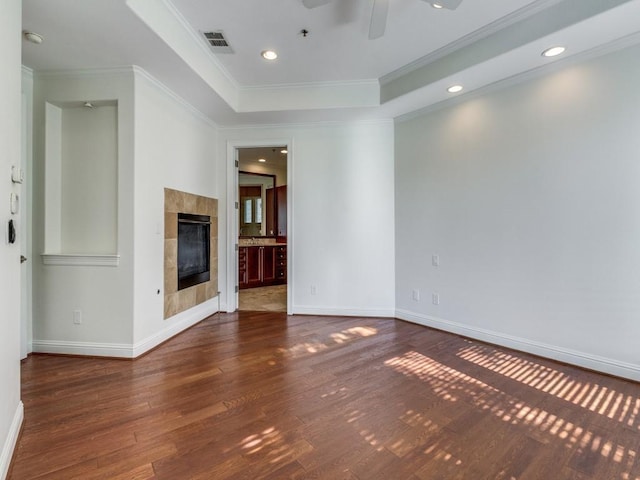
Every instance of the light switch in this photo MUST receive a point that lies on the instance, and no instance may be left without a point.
(17, 174)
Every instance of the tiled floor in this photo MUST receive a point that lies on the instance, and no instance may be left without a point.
(269, 299)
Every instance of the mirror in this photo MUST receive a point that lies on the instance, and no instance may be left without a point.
(262, 181)
(257, 208)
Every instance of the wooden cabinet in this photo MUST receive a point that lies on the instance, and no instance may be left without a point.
(262, 265)
(281, 264)
(243, 278)
(281, 211)
(276, 212)
(254, 275)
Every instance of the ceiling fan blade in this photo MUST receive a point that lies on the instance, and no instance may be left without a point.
(378, 19)
(314, 3)
(448, 4)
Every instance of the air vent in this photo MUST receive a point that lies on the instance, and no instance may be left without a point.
(217, 42)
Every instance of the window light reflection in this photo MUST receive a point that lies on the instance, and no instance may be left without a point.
(453, 385)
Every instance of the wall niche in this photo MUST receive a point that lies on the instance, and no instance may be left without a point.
(81, 183)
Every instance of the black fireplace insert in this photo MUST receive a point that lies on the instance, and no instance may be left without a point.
(194, 244)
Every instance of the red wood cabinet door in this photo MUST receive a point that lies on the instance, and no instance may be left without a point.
(281, 208)
(242, 267)
(268, 265)
(254, 267)
(270, 212)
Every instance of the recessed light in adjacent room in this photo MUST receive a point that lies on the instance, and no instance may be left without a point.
(436, 5)
(284, 151)
(33, 37)
(261, 160)
(553, 51)
(269, 55)
(454, 88)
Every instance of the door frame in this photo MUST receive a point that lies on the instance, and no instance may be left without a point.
(232, 216)
(25, 215)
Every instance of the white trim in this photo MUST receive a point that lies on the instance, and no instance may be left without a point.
(232, 227)
(200, 41)
(86, 72)
(176, 324)
(301, 125)
(11, 440)
(307, 96)
(574, 357)
(80, 259)
(121, 350)
(151, 80)
(523, 77)
(493, 27)
(367, 82)
(344, 311)
(27, 71)
(165, 20)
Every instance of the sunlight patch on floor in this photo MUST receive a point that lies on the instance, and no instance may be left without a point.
(453, 385)
(594, 397)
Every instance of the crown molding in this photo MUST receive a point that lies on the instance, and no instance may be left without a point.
(300, 125)
(163, 18)
(487, 30)
(27, 71)
(538, 72)
(153, 81)
(195, 35)
(86, 72)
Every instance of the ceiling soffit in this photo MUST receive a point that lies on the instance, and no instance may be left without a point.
(498, 45)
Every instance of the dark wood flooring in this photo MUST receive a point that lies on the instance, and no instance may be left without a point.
(266, 396)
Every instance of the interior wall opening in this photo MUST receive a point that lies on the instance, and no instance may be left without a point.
(262, 228)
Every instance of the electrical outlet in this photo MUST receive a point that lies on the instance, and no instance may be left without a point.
(415, 295)
(77, 317)
(435, 260)
(314, 290)
(435, 298)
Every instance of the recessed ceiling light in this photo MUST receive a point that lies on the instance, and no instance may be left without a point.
(454, 88)
(33, 37)
(436, 5)
(553, 51)
(284, 151)
(261, 160)
(269, 55)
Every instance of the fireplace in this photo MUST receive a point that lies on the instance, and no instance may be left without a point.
(205, 211)
(193, 249)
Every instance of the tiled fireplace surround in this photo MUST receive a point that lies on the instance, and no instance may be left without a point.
(176, 301)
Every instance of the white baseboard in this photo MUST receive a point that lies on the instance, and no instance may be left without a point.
(174, 325)
(83, 348)
(573, 357)
(177, 324)
(11, 441)
(343, 312)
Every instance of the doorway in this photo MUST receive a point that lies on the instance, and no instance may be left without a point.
(262, 184)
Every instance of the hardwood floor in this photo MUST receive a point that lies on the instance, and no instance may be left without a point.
(266, 396)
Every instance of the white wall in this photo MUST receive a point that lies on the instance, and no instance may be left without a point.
(10, 99)
(530, 197)
(175, 148)
(104, 294)
(89, 179)
(161, 142)
(341, 223)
